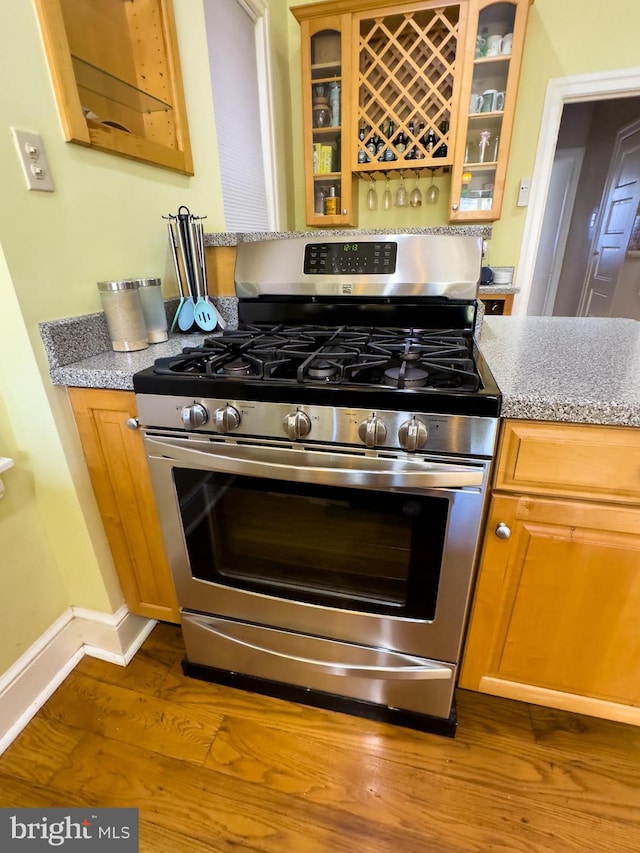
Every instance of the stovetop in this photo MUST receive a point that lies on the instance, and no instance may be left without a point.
(421, 369)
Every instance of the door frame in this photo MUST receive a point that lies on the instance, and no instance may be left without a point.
(560, 91)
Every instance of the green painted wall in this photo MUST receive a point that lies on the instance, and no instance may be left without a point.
(103, 221)
(32, 589)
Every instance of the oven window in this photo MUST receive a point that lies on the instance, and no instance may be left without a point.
(348, 548)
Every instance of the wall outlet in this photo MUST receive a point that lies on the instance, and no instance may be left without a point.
(33, 160)
(523, 192)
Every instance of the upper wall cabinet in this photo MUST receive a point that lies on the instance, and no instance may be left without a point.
(117, 79)
(326, 74)
(423, 85)
(489, 90)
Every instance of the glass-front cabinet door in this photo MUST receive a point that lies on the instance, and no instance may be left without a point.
(326, 106)
(487, 109)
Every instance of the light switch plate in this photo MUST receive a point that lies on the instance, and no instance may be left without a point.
(523, 192)
(33, 160)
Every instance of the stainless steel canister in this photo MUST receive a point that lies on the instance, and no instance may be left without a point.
(155, 317)
(123, 313)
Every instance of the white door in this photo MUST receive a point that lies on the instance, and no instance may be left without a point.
(565, 177)
(613, 228)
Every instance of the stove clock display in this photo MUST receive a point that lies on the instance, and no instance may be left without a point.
(359, 258)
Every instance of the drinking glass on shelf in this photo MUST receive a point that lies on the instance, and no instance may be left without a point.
(372, 195)
(496, 148)
(387, 198)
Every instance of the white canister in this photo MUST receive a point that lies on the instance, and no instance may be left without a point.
(155, 317)
(123, 313)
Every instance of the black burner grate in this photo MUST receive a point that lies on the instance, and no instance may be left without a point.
(325, 355)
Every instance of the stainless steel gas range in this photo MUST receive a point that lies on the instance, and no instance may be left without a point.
(321, 474)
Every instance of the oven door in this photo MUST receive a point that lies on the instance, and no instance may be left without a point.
(370, 548)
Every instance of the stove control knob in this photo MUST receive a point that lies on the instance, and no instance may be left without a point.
(412, 435)
(226, 419)
(195, 416)
(297, 425)
(372, 431)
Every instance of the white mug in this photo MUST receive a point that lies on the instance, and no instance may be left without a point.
(492, 101)
(475, 103)
(507, 44)
(488, 100)
(494, 46)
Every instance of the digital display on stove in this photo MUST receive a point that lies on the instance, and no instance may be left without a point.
(350, 258)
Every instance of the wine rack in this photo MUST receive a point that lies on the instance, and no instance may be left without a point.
(406, 85)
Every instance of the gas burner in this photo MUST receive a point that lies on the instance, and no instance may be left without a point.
(406, 377)
(411, 354)
(238, 367)
(322, 370)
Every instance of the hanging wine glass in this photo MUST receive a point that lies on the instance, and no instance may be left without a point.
(387, 198)
(433, 193)
(402, 196)
(372, 195)
(415, 199)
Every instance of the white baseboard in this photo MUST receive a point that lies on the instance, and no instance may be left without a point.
(26, 686)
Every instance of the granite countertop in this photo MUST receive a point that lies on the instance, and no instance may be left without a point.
(227, 238)
(573, 369)
(580, 370)
(497, 289)
(80, 354)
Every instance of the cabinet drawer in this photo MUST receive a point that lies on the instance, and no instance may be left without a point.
(573, 460)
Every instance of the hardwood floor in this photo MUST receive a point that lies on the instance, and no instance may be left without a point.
(216, 769)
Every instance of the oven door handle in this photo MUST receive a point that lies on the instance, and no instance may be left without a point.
(408, 668)
(331, 469)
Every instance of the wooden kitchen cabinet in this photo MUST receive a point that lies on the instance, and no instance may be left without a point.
(326, 72)
(117, 80)
(406, 90)
(555, 613)
(120, 478)
(489, 86)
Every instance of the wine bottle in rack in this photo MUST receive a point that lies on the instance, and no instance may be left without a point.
(418, 149)
(410, 150)
(442, 150)
(430, 142)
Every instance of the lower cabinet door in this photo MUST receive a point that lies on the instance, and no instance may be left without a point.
(555, 614)
(120, 478)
